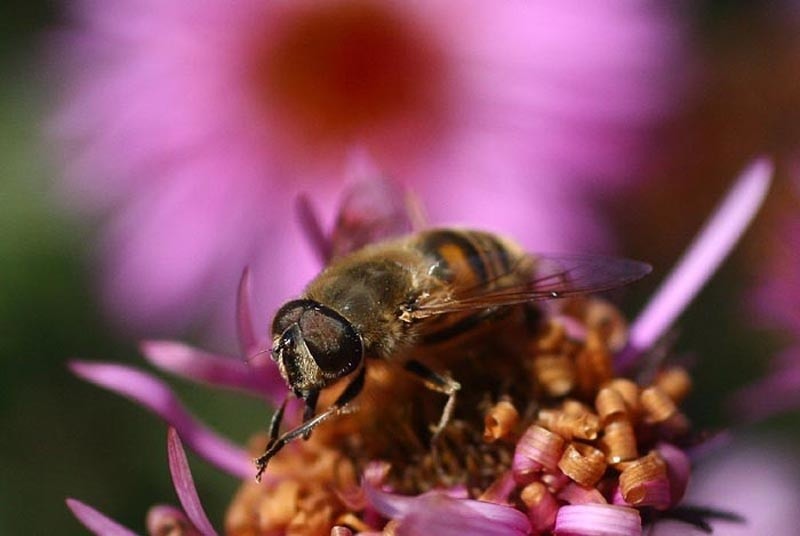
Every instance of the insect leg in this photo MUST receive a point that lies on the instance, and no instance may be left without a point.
(339, 406)
(310, 409)
(275, 422)
(440, 383)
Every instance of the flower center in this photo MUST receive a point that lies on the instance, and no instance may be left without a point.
(339, 71)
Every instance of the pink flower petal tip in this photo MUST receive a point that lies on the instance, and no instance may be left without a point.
(156, 396)
(598, 520)
(538, 448)
(96, 522)
(245, 330)
(184, 484)
(437, 512)
(165, 519)
(215, 370)
(708, 250)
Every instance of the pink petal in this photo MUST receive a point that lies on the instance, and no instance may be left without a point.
(537, 448)
(617, 498)
(438, 513)
(156, 396)
(679, 468)
(598, 520)
(445, 516)
(312, 228)
(184, 484)
(710, 446)
(757, 480)
(375, 472)
(709, 248)
(95, 521)
(218, 371)
(655, 493)
(163, 517)
(574, 493)
(500, 489)
(777, 392)
(542, 506)
(248, 342)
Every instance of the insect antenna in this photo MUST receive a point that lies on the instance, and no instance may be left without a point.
(250, 358)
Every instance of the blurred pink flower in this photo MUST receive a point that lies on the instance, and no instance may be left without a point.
(775, 304)
(758, 481)
(775, 299)
(193, 124)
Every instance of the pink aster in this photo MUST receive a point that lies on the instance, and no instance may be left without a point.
(192, 125)
(550, 498)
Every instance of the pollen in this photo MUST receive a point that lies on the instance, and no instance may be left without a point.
(300, 498)
(555, 373)
(675, 382)
(582, 425)
(657, 404)
(619, 441)
(583, 463)
(500, 422)
(610, 405)
(644, 482)
(541, 504)
(543, 428)
(629, 390)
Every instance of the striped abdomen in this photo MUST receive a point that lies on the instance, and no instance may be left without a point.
(464, 261)
(469, 259)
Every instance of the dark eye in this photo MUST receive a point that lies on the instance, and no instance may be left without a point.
(289, 314)
(333, 342)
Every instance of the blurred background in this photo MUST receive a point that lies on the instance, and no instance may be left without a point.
(734, 93)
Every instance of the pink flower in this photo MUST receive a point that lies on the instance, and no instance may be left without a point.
(644, 488)
(192, 125)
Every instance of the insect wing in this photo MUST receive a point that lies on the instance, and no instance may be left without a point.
(541, 277)
(370, 211)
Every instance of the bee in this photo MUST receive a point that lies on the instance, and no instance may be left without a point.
(396, 300)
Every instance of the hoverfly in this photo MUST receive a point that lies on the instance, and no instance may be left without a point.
(391, 299)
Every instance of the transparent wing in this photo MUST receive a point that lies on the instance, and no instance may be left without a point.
(370, 211)
(540, 277)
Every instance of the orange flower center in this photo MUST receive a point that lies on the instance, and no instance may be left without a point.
(340, 70)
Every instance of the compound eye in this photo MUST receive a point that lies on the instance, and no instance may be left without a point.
(332, 341)
(289, 314)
